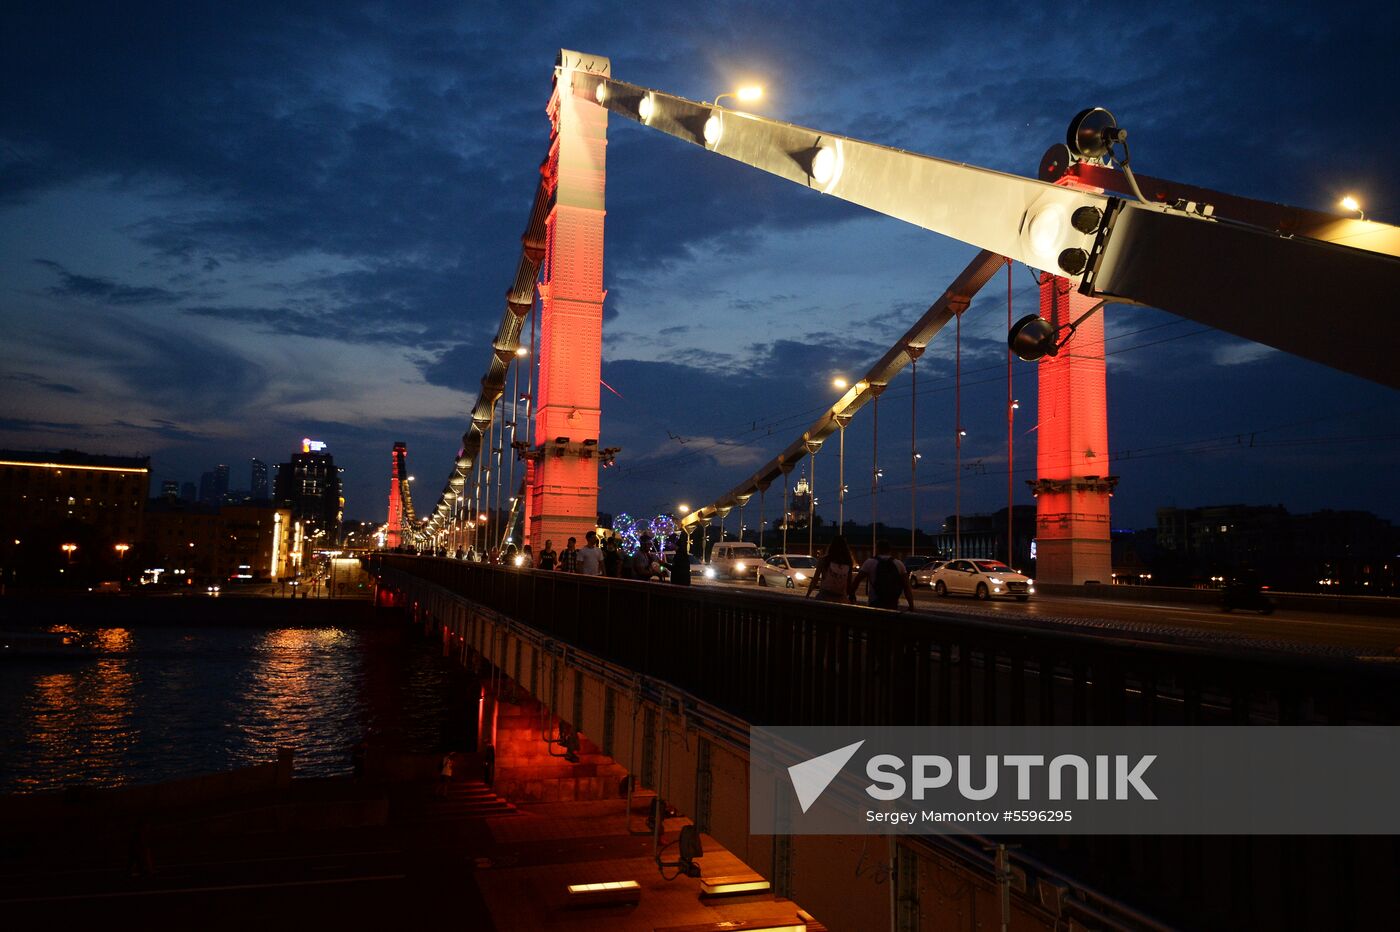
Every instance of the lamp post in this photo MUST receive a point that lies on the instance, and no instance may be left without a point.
(841, 421)
(1352, 204)
(121, 550)
(1011, 410)
(68, 550)
(746, 94)
(683, 509)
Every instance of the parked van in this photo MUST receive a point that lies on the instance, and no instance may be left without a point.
(736, 559)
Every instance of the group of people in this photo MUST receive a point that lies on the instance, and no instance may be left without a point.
(836, 578)
(606, 558)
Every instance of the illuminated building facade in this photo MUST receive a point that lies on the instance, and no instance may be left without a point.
(310, 486)
(99, 498)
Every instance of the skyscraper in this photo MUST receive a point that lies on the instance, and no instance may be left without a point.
(220, 483)
(258, 483)
(310, 484)
(170, 489)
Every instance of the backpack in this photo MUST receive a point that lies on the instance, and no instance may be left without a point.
(836, 578)
(888, 584)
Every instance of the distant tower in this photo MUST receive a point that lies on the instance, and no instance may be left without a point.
(220, 483)
(563, 480)
(400, 497)
(258, 480)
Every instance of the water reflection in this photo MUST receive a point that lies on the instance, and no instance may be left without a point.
(160, 702)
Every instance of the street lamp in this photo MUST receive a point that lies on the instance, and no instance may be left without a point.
(1351, 203)
(747, 94)
(121, 550)
(68, 550)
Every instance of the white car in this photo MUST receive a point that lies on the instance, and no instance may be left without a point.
(985, 579)
(786, 569)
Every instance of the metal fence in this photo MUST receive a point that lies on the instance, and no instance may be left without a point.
(773, 659)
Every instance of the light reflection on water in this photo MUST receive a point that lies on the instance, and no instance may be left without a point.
(163, 702)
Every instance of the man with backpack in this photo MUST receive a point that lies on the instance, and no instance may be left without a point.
(885, 579)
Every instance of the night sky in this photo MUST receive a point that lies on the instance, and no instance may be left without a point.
(224, 227)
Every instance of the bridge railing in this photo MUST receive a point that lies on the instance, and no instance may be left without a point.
(773, 659)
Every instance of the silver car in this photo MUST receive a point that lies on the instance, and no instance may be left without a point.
(786, 569)
(923, 575)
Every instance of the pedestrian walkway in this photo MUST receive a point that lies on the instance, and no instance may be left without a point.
(350, 854)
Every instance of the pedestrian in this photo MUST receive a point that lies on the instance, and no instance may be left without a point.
(527, 558)
(612, 558)
(488, 764)
(680, 563)
(831, 580)
(885, 579)
(445, 774)
(547, 556)
(642, 560)
(568, 559)
(590, 558)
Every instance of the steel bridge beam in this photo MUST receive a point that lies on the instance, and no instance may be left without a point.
(1330, 302)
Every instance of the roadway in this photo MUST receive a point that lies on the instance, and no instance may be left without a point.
(1356, 634)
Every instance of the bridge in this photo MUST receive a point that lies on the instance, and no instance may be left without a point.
(666, 681)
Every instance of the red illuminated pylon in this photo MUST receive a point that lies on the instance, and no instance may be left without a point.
(394, 536)
(563, 478)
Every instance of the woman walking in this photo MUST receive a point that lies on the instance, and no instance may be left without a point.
(832, 579)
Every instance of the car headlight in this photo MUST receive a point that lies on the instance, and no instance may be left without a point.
(709, 572)
(740, 567)
(800, 576)
(995, 580)
(1030, 582)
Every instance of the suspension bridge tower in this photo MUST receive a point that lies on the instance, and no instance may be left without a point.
(562, 473)
(400, 499)
(1073, 485)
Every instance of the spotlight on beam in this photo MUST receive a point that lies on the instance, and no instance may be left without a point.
(1033, 337)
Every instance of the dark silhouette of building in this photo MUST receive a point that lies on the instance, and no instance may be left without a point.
(310, 486)
(170, 489)
(257, 484)
(1331, 551)
(188, 493)
(68, 514)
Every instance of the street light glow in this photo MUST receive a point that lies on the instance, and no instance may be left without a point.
(1351, 203)
(840, 383)
(520, 350)
(683, 509)
(749, 94)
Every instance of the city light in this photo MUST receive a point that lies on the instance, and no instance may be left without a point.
(520, 350)
(121, 550)
(840, 383)
(1351, 203)
(68, 549)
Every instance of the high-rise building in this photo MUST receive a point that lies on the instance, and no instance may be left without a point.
(258, 483)
(310, 485)
(188, 493)
(220, 483)
(206, 489)
(170, 488)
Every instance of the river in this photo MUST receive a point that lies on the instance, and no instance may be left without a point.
(165, 701)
